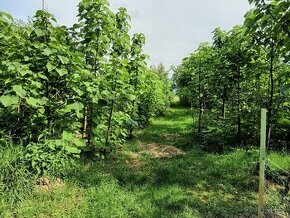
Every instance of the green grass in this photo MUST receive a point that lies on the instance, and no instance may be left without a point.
(15, 179)
(279, 161)
(172, 129)
(131, 184)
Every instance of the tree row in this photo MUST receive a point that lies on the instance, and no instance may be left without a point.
(243, 70)
(67, 90)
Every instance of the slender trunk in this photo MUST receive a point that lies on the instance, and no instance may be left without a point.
(239, 107)
(110, 122)
(85, 123)
(224, 103)
(270, 106)
(19, 108)
(88, 120)
(192, 113)
(47, 87)
(48, 110)
(91, 109)
(86, 115)
(111, 110)
(200, 102)
(133, 104)
(90, 123)
(258, 96)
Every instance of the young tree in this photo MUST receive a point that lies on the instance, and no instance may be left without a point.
(268, 24)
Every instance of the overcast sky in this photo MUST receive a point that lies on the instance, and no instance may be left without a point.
(173, 28)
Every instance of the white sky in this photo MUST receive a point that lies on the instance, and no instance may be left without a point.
(173, 28)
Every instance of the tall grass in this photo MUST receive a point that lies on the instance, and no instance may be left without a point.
(15, 178)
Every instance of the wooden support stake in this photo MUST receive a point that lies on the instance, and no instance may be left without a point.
(261, 209)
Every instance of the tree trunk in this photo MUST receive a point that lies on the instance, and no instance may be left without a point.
(110, 122)
(200, 102)
(270, 106)
(47, 108)
(111, 110)
(224, 103)
(90, 123)
(85, 123)
(239, 107)
(133, 105)
(19, 108)
(90, 107)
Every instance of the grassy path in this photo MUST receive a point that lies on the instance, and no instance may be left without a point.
(138, 183)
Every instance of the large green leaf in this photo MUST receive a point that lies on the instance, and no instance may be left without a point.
(64, 60)
(61, 71)
(77, 107)
(79, 142)
(47, 51)
(67, 136)
(9, 100)
(39, 32)
(24, 72)
(50, 67)
(35, 102)
(19, 91)
(72, 150)
(5, 17)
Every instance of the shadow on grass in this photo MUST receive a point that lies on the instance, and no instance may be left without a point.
(196, 184)
(210, 185)
(134, 184)
(172, 129)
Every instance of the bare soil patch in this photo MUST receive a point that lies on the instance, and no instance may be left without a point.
(160, 150)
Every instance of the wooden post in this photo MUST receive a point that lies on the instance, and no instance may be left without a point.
(262, 164)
